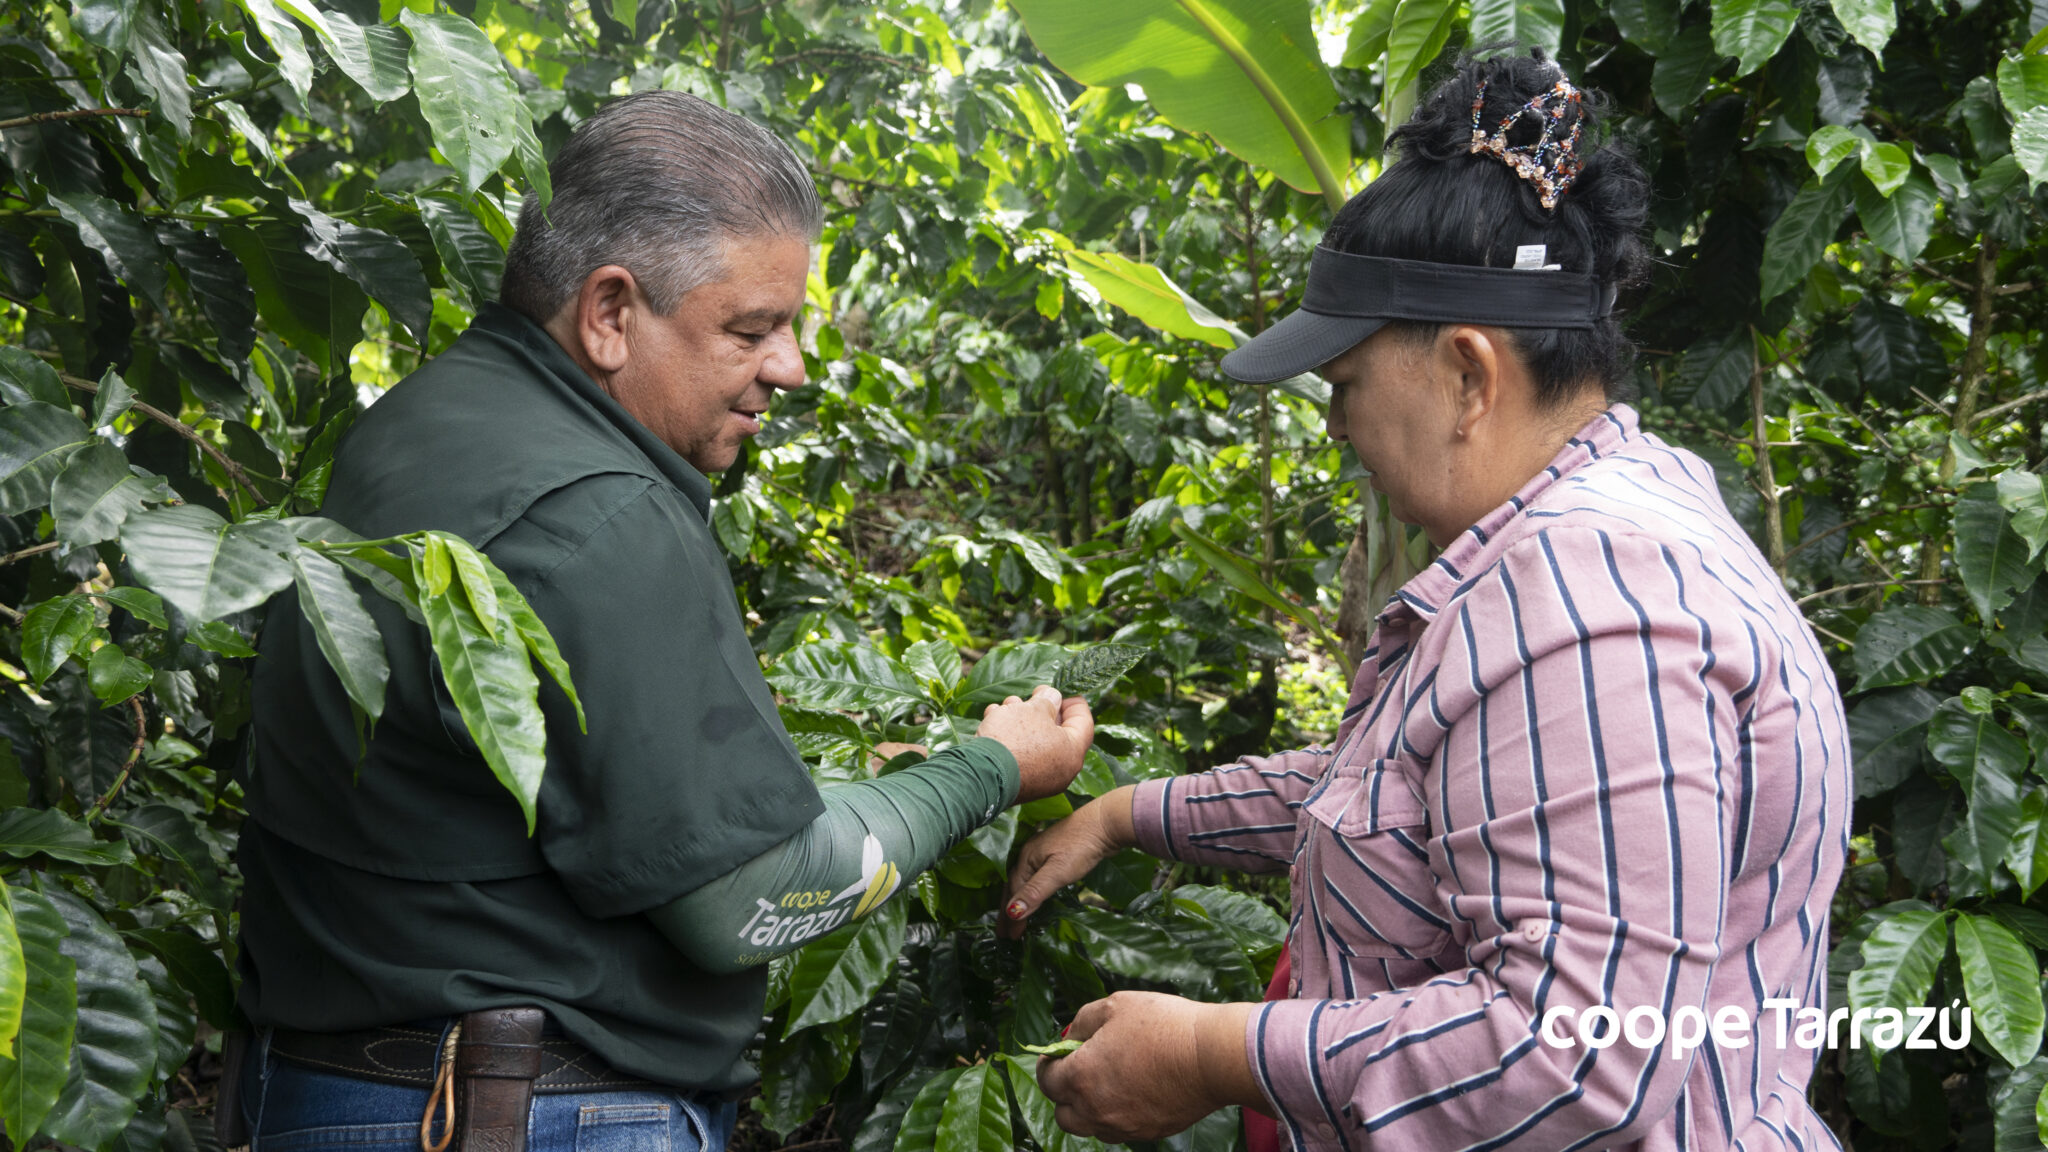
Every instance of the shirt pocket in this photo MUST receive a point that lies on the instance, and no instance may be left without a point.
(1368, 864)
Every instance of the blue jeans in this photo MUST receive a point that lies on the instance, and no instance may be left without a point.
(291, 1108)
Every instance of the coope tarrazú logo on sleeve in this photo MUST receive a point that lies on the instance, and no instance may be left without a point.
(1731, 1026)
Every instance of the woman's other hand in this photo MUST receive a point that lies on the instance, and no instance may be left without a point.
(1153, 1065)
(1048, 736)
(1066, 852)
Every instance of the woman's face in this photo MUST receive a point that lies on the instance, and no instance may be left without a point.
(1391, 402)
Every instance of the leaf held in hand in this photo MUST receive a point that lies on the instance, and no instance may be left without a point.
(1093, 670)
(1056, 1048)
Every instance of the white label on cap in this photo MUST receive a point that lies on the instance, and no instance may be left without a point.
(1531, 256)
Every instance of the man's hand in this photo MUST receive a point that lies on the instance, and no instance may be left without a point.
(1048, 736)
(1066, 852)
(1153, 1065)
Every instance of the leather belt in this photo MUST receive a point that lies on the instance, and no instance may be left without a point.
(409, 1056)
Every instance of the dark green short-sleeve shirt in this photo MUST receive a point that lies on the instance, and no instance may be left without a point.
(404, 885)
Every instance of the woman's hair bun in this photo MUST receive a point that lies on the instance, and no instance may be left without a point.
(1443, 202)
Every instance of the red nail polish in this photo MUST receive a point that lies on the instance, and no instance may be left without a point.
(1064, 1031)
(1016, 910)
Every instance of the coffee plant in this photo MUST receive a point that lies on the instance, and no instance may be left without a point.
(226, 226)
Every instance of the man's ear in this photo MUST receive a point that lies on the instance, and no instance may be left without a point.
(1475, 358)
(595, 324)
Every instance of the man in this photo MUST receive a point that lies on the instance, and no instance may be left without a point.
(419, 967)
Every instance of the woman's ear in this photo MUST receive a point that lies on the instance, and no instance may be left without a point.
(1475, 359)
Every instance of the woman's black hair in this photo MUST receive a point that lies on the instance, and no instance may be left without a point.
(1442, 202)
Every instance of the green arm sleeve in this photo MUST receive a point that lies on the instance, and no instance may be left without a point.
(873, 836)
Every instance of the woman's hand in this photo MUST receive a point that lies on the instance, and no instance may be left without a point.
(1153, 1065)
(1066, 852)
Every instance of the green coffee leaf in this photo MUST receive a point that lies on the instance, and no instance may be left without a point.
(196, 967)
(114, 1056)
(293, 61)
(26, 832)
(464, 93)
(496, 692)
(976, 1117)
(13, 974)
(1752, 30)
(1899, 223)
(123, 238)
(1650, 24)
(470, 255)
(1525, 23)
(2024, 496)
(920, 1130)
(1887, 166)
(220, 287)
(96, 493)
(222, 637)
(169, 834)
(1801, 235)
(114, 676)
(1418, 34)
(846, 675)
(205, 566)
(345, 630)
(1871, 22)
(372, 55)
(36, 441)
(539, 642)
(1900, 957)
(1094, 669)
(1888, 737)
(836, 975)
(32, 1076)
(1038, 1109)
(1992, 559)
(379, 264)
(1908, 644)
(52, 631)
(2002, 981)
(1012, 670)
(25, 379)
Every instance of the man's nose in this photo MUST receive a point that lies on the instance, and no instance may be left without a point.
(1333, 423)
(783, 366)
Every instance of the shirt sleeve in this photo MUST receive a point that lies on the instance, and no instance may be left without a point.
(1600, 724)
(684, 771)
(874, 836)
(1239, 816)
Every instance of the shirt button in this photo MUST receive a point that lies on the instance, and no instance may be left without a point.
(1324, 1130)
(1534, 931)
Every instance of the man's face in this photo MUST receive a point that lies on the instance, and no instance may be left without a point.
(701, 379)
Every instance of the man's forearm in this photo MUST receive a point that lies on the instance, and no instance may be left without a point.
(873, 836)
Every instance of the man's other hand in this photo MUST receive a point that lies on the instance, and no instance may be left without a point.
(1048, 736)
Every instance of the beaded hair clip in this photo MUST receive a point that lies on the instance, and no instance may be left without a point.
(1552, 162)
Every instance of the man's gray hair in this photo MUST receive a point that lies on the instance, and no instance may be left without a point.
(657, 183)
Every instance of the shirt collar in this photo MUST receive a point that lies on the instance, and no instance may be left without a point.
(506, 324)
(1473, 550)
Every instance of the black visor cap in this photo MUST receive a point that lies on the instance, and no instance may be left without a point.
(1350, 297)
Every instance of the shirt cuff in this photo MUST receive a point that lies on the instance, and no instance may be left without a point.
(993, 757)
(1279, 1039)
(1150, 820)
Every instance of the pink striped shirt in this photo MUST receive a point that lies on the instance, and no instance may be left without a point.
(1594, 757)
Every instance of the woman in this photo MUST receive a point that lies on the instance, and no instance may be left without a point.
(1577, 837)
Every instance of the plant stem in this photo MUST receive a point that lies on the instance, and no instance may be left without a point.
(164, 418)
(73, 114)
(1968, 387)
(134, 753)
(1858, 588)
(1766, 475)
(25, 553)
